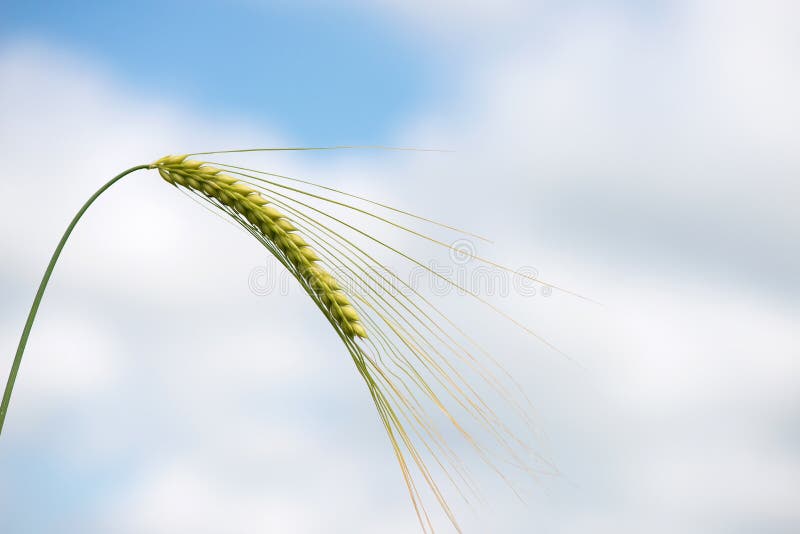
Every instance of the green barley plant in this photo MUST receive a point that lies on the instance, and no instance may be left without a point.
(422, 371)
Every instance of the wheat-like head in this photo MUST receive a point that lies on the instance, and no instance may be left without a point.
(409, 353)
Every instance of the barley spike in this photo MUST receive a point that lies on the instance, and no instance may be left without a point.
(274, 225)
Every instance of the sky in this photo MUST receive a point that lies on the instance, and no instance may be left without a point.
(314, 72)
(642, 154)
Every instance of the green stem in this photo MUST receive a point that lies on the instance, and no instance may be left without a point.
(12, 376)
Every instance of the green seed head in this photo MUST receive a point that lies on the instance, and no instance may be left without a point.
(272, 223)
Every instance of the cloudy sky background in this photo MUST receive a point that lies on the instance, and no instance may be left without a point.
(644, 155)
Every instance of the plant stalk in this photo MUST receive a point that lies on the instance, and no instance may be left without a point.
(12, 376)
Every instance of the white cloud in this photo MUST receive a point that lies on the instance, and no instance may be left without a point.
(649, 163)
(670, 136)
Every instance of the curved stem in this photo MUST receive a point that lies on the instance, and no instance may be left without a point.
(12, 376)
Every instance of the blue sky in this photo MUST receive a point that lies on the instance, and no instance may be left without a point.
(321, 73)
